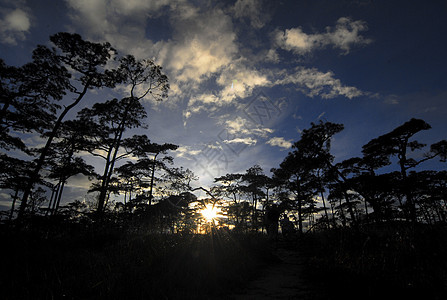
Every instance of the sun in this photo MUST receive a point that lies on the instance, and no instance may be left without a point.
(209, 212)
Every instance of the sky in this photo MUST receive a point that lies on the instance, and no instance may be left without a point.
(247, 76)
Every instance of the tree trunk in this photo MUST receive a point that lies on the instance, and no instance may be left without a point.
(53, 197)
(334, 221)
(35, 174)
(152, 180)
(59, 197)
(350, 210)
(102, 190)
(300, 215)
(325, 209)
(14, 199)
(403, 171)
(108, 173)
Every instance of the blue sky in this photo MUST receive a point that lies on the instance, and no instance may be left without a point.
(246, 76)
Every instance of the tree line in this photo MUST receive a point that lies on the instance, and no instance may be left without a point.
(308, 186)
(66, 72)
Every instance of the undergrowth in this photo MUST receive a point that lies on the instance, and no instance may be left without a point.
(108, 264)
(387, 260)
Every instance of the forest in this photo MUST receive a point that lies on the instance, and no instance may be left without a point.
(364, 225)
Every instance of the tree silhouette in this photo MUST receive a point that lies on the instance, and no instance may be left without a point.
(62, 161)
(106, 123)
(140, 176)
(299, 171)
(134, 177)
(13, 175)
(397, 143)
(87, 62)
(28, 96)
(429, 194)
(156, 150)
(143, 78)
(256, 181)
(231, 187)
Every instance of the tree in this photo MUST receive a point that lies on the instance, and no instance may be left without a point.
(145, 149)
(179, 180)
(256, 181)
(429, 193)
(13, 175)
(397, 143)
(87, 61)
(134, 177)
(106, 123)
(299, 171)
(63, 163)
(111, 119)
(28, 96)
(231, 187)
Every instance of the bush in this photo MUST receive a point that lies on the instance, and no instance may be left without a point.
(380, 260)
(102, 264)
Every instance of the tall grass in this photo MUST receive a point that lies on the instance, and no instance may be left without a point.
(108, 264)
(388, 260)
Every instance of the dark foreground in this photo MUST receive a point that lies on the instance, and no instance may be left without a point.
(381, 261)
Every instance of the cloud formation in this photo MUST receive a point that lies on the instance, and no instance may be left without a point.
(202, 48)
(248, 141)
(242, 126)
(14, 25)
(313, 83)
(185, 151)
(202, 43)
(345, 35)
(279, 142)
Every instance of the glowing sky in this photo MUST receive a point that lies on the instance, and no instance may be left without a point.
(246, 76)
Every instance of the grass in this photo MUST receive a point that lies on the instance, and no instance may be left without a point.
(102, 262)
(390, 260)
(116, 265)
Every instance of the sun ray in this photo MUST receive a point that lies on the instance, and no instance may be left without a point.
(210, 212)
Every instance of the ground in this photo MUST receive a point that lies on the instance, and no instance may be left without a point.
(284, 279)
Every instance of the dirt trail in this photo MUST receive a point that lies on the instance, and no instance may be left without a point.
(282, 280)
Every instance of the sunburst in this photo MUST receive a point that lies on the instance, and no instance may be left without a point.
(210, 212)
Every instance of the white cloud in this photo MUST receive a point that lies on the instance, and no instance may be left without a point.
(241, 126)
(296, 40)
(18, 20)
(235, 81)
(272, 56)
(80, 181)
(14, 24)
(110, 18)
(202, 48)
(201, 41)
(247, 141)
(121, 23)
(279, 142)
(315, 83)
(184, 151)
(238, 80)
(201, 45)
(205, 99)
(345, 35)
(237, 125)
